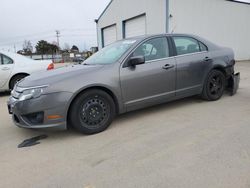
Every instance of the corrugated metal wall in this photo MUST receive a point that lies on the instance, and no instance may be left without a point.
(223, 22)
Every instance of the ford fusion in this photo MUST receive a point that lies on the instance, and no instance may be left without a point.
(127, 75)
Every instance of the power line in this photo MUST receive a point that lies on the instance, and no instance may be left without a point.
(21, 41)
(48, 31)
(46, 37)
(72, 32)
(79, 29)
(28, 36)
(79, 35)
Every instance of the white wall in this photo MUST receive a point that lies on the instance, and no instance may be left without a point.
(120, 10)
(223, 22)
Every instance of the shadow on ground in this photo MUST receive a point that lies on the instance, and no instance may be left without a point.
(56, 135)
(158, 108)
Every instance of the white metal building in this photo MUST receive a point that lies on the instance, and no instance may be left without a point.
(225, 22)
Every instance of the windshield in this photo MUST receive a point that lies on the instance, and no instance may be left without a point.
(110, 54)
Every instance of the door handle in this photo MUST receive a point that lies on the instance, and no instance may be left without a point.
(207, 59)
(5, 68)
(168, 66)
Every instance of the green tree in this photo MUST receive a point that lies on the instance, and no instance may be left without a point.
(74, 49)
(43, 47)
(53, 48)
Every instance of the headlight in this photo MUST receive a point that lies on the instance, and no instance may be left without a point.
(32, 93)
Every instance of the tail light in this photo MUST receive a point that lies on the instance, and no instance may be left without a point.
(51, 66)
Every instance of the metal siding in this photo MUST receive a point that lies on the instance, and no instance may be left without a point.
(223, 22)
(122, 10)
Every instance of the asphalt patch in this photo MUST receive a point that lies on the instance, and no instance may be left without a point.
(32, 141)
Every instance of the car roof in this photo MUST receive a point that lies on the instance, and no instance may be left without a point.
(205, 41)
(160, 35)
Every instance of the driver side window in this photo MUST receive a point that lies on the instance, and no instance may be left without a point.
(153, 49)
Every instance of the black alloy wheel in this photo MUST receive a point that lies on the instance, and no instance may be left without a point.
(214, 86)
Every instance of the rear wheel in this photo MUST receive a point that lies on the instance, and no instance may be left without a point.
(16, 79)
(214, 86)
(92, 112)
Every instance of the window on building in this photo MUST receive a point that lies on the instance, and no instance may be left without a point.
(153, 49)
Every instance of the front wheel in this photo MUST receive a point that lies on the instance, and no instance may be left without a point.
(214, 86)
(92, 112)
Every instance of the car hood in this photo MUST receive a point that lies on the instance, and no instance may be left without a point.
(57, 75)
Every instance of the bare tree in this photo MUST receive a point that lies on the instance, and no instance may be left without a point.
(27, 47)
(66, 47)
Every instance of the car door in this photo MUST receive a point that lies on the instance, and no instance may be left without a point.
(152, 82)
(191, 61)
(6, 67)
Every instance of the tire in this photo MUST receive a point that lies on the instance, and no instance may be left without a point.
(214, 86)
(92, 112)
(16, 79)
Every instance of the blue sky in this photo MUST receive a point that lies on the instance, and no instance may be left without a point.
(38, 19)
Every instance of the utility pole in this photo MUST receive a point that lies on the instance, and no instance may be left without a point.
(14, 48)
(57, 37)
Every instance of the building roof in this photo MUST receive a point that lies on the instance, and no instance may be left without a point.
(104, 11)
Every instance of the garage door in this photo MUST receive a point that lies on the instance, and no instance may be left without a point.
(135, 27)
(109, 35)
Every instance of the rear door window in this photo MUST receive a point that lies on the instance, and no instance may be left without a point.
(186, 45)
(203, 47)
(6, 60)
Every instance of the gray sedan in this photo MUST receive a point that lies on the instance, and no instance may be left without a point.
(127, 75)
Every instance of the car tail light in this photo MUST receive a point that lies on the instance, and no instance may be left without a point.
(51, 66)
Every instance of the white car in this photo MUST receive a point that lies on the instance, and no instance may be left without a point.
(14, 67)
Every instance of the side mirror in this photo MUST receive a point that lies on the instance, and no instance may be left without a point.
(138, 60)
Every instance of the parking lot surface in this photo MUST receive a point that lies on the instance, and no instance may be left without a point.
(187, 143)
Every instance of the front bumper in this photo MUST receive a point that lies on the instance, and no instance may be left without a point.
(47, 111)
